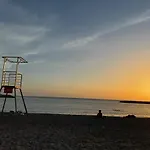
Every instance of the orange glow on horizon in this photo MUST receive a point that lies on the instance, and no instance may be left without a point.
(128, 78)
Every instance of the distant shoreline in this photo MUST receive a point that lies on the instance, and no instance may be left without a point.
(84, 98)
(57, 97)
(135, 102)
(79, 98)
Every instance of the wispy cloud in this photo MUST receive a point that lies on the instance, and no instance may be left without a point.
(18, 39)
(12, 13)
(145, 16)
(22, 34)
(20, 31)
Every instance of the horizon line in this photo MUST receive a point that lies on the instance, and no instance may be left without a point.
(63, 97)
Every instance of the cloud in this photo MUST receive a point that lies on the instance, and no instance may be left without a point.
(145, 16)
(21, 32)
(58, 56)
(19, 39)
(10, 13)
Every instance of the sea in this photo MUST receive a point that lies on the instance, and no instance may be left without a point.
(75, 106)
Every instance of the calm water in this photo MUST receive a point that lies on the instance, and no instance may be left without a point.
(78, 106)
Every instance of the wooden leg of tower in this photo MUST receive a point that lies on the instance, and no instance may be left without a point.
(15, 100)
(4, 103)
(1, 89)
(23, 101)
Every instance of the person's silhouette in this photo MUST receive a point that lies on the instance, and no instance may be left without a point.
(99, 114)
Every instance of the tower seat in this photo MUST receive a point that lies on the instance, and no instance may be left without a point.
(8, 89)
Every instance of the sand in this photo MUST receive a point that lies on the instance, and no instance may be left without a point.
(66, 132)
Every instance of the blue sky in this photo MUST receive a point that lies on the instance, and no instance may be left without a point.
(74, 47)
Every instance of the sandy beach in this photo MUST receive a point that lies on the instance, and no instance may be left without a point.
(66, 132)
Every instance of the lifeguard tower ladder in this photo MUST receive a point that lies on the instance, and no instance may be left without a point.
(11, 81)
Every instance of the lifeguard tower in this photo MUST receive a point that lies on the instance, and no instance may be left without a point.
(12, 81)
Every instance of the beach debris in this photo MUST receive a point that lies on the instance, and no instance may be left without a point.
(16, 113)
(116, 110)
(130, 116)
(20, 113)
(11, 112)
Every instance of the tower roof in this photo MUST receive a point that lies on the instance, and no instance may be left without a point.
(14, 59)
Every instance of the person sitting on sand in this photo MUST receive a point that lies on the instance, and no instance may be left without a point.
(99, 114)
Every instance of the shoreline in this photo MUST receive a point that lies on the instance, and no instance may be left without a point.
(136, 102)
(6, 114)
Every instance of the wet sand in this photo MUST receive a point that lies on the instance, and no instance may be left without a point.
(66, 132)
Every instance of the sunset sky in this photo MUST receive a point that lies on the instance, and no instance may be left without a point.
(80, 48)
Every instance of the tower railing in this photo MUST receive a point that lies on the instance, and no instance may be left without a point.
(10, 78)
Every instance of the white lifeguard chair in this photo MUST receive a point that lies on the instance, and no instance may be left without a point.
(12, 81)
